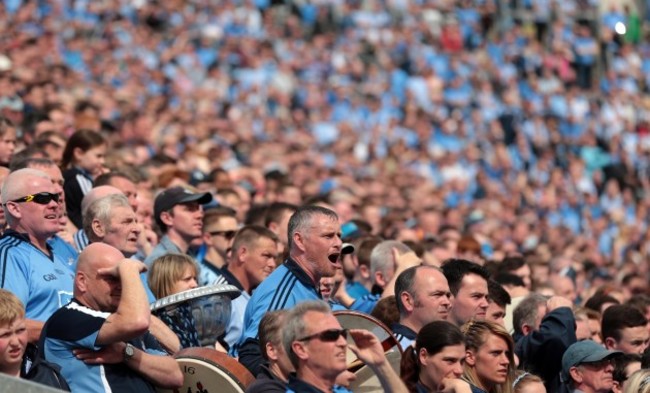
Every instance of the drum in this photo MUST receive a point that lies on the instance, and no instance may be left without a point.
(209, 307)
(208, 370)
(366, 380)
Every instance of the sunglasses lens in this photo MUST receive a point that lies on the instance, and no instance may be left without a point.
(333, 335)
(229, 235)
(45, 197)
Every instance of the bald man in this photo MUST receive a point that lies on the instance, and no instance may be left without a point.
(101, 337)
(28, 266)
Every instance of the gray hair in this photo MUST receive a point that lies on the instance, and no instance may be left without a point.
(302, 219)
(295, 327)
(381, 257)
(15, 184)
(102, 211)
(526, 311)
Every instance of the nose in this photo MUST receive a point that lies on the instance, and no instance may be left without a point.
(504, 359)
(484, 303)
(193, 283)
(458, 370)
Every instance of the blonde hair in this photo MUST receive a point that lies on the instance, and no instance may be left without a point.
(524, 379)
(11, 308)
(476, 334)
(639, 382)
(166, 270)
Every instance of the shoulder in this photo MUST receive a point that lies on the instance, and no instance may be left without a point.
(74, 321)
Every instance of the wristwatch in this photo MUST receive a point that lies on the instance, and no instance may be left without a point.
(129, 351)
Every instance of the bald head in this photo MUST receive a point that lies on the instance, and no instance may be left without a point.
(98, 193)
(17, 183)
(98, 255)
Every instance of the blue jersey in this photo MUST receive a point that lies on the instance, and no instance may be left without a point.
(296, 385)
(64, 251)
(77, 326)
(287, 286)
(365, 303)
(43, 283)
(405, 335)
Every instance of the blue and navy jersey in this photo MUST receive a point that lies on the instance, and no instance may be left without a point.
(287, 286)
(43, 283)
(405, 335)
(77, 326)
(81, 240)
(296, 385)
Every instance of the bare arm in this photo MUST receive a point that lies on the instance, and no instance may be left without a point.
(162, 371)
(402, 262)
(165, 336)
(368, 348)
(132, 317)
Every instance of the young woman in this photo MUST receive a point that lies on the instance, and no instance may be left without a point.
(168, 275)
(436, 362)
(82, 162)
(489, 362)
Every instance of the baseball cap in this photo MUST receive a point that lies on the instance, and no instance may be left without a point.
(171, 197)
(586, 351)
(347, 248)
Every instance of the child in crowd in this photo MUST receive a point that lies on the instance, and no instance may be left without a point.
(13, 333)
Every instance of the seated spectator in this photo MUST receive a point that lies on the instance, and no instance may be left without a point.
(100, 339)
(544, 329)
(468, 283)
(316, 346)
(422, 296)
(498, 299)
(169, 275)
(526, 382)
(624, 366)
(13, 333)
(386, 311)
(639, 382)
(489, 362)
(436, 363)
(625, 329)
(587, 367)
(274, 374)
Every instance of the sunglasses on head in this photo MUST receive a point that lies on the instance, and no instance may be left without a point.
(330, 335)
(227, 234)
(42, 198)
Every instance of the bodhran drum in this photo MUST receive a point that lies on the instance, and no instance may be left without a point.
(209, 307)
(366, 380)
(206, 370)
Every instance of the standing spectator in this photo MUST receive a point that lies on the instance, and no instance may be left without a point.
(314, 251)
(82, 162)
(179, 214)
(586, 54)
(30, 269)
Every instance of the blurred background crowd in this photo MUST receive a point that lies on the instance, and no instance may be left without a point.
(523, 126)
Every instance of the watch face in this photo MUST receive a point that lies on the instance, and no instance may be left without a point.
(129, 351)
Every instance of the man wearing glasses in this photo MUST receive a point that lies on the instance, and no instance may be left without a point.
(28, 266)
(179, 214)
(587, 367)
(317, 346)
(219, 228)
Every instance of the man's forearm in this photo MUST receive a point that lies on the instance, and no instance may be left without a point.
(390, 381)
(162, 371)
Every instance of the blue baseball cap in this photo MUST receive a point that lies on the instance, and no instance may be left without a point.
(586, 351)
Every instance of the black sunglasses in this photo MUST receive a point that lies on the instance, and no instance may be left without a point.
(42, 198)
(227, 234)
(330, 335)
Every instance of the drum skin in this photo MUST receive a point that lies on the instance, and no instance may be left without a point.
(206, 370)
(366, 380)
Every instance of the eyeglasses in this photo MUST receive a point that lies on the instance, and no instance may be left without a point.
(42, 198)
(227, 234)
(330, 335)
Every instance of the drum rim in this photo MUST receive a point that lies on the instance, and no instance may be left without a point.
(219, 289)
(198, 353)
(374, 320)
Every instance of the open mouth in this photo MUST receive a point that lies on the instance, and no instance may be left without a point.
(334, 258)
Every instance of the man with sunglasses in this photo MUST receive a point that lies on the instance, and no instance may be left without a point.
(28, 266)
(317, 347)
(178, 212)
(587, 367)
(219, 228)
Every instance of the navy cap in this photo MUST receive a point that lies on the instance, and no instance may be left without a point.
(171, 197)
